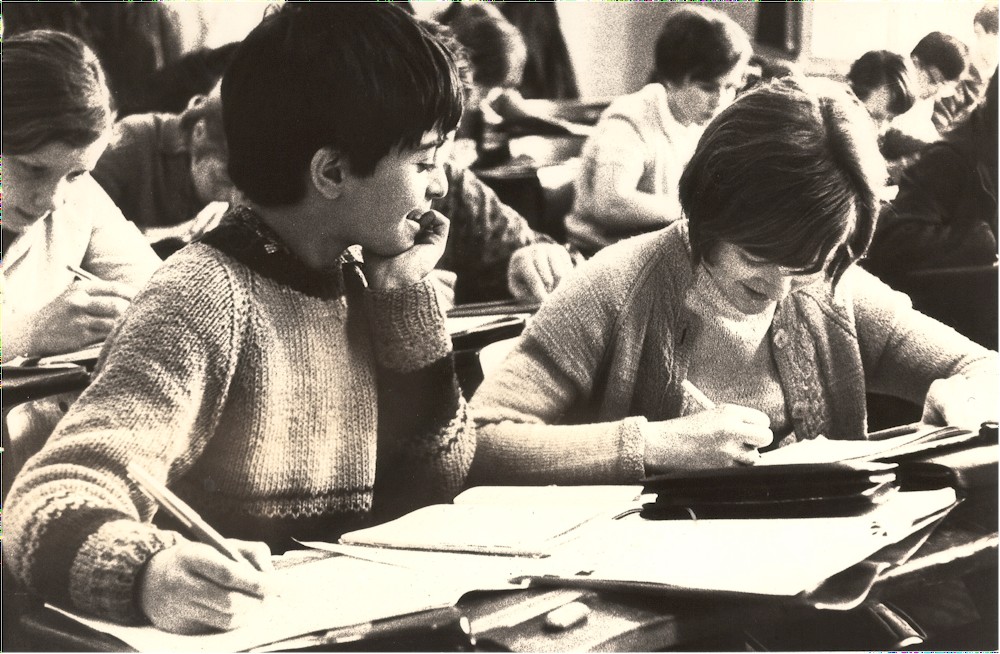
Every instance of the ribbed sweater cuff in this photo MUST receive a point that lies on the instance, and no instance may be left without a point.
(104, 576)
(633, 448)
(408, 326)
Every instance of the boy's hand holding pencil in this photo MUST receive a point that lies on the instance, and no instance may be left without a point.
(194, 587)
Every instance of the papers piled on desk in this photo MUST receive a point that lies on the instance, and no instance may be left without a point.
(319, 595)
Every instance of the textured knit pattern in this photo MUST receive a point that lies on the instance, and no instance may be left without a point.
(607, 352)
(731, 358)
(261, 405)
(483, 236)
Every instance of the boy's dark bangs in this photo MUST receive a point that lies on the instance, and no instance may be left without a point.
(438, 96)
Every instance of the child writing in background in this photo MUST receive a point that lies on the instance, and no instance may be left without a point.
(754, 298)
(162, 170)
(633, 162)
(275, 384)
(57, 121)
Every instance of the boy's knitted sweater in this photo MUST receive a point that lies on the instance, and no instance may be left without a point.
(606, 354)
(261, 393)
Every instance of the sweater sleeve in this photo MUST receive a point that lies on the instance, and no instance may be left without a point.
(425, 440)
(78, 532)
(522, 408)
(903, 350)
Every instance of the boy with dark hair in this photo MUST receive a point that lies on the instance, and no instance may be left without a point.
(632, 163)
(276, 384)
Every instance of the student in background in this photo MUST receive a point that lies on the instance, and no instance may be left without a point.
(882, 80)
(492, 251)
(162, 170)
(969, 91)
(633, 162)
(754, 298)
(939, 60)
(945, 212)
(275, 385)
(57, 121)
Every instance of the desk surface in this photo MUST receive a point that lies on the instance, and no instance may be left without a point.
(963, 543)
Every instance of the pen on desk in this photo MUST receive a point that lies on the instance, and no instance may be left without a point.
(82, 274)
(187, 516)
(695, 394)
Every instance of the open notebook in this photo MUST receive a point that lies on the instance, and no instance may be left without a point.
(526, 521)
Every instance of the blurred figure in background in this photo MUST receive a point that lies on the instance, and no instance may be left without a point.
(883, 81)
(633, 162)
(945, 213)
(938, 61)
(162, 170)
(548, 72)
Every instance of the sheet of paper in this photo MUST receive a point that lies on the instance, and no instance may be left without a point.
(780, 557)
(528, 530)
(825, 450)
(339, 591)
(462, 571)
(620, 497)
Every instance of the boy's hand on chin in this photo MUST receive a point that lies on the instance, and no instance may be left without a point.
(413, 265)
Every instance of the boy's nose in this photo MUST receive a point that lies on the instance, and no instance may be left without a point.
(438, 186)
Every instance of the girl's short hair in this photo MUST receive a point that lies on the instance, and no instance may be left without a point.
(363, 78)
(882, 68)
(699, 44)
(789, 172)
(54, 89)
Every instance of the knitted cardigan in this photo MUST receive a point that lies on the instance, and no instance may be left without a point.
(261, 392)
(608, 350)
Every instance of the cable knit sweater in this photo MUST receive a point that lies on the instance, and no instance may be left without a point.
(607, 352)
(261, 392)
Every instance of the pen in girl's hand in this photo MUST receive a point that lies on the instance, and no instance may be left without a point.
(695, 394)
(82, 274)
(187, 516)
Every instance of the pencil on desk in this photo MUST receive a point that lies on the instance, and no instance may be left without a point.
(187, 516)
(82, 274)
(695, 394)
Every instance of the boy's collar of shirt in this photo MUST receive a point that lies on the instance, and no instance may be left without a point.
(244, 236)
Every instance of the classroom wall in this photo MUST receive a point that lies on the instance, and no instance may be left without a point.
(611, 44)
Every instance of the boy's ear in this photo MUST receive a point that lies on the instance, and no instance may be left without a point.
(328, 171)
(199, 134)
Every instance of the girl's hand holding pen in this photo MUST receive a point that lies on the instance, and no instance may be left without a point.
(716, 438)
(193, 588)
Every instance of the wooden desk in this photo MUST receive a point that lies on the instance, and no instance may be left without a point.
(965, 542)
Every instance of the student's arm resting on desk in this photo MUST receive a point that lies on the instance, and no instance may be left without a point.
(426, 441)
(907, 354)
(614, 164)
(78, 532)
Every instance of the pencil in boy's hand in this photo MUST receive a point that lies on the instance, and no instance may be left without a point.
(82, 274)
(695, 394)
(187, 516)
